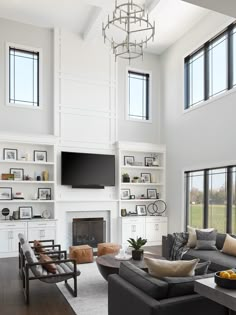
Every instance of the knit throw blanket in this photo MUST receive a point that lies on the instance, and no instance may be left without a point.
(179, 247)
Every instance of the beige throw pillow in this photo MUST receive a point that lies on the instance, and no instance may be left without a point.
(229, 245)
(192, 238)
(164, 268)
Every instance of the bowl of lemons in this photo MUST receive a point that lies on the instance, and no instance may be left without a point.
(226, 279)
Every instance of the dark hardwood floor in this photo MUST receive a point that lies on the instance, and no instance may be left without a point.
(46, 299)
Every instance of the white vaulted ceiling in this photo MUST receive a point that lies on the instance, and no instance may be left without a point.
(173, 17)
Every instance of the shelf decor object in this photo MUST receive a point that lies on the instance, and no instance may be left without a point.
(128, 31)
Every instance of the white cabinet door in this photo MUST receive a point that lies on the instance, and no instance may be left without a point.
(5, 241)
(155, 229)
(132, 228)
(44, 233)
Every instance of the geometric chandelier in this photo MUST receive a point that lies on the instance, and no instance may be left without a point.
(128, 31)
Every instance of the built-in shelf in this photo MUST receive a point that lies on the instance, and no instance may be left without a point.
(26, 201)
(26, 162)
(138, 200)
(156, 168)
(26, 182)
(87, 200)
(142, 184)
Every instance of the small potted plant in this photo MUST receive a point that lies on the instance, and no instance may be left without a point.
(125, 178)
(136, 179)
(137, 252)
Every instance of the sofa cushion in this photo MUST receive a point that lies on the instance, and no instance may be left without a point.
(178, 286)
(220, 239)
(164, 268)
(202, 268)
(192, 239)
(143, 281)
(219, 260)
(229, 246)
(206, 240)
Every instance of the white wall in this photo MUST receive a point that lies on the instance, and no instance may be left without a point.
(23, 120)
(90, 117)
(203, 137)
(133, 130)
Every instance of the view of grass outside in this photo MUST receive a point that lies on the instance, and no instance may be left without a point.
(217, 199)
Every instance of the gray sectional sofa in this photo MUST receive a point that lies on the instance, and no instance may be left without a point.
(219, 261)
(134, 291)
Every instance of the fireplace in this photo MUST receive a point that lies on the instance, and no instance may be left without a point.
(89, 231)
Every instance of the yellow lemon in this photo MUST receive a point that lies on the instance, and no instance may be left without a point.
(233, 276)
(225, 275)
(230, 271)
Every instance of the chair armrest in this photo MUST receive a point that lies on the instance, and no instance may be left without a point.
(64, 252)
(48, 246)
(44, 241)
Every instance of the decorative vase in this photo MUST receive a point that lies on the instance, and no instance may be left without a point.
(137, 254)
(45, 175)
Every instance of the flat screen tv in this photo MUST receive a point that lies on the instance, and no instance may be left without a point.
(86, 170)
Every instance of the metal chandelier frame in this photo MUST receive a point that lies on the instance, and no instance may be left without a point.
(125, 16)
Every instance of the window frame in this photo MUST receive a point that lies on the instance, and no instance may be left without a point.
(149, 95)
(7, 65)
(229, 193)
(228, 30)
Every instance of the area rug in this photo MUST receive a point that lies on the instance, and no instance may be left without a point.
(92, 292)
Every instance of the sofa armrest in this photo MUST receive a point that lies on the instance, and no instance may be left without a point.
(193, 304)
(126, 299)
(167, 243)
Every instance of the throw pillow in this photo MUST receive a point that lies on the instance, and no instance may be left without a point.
(192, 239)
(206, 240)
(229, 245)
(164, 268)
(38, 246)
(49, 267)
(202, 268)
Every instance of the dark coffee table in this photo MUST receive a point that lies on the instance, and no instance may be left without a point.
(107, 264)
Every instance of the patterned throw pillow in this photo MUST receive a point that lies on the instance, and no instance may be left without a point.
(178, 248)
(206, 240)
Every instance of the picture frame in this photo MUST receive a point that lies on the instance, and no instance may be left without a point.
(151, 193)
(18, 173)
(25, 212)
(128, 160)
(125, 194)
(44, 194)
(146, 177)
(40, 156)
(141, 210)
(5, 193)
(10, 154)
(148, 161)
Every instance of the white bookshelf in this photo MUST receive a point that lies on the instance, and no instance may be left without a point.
(25, 146)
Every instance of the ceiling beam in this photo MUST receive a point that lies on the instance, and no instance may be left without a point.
(227, 7)
(151, 4)
(94, 14)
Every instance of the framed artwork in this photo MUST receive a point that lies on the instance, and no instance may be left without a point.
(10, 154)
(148, 161)
(40, 156)
(25, 212)
(18, 173)
(128, 160)
(151, 193)
(125, 194)
(5, 193)
(141, 210)
(146, 177)
(44, 193)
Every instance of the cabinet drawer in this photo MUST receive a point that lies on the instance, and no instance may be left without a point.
(13, 225)
(131, 220)
(41, 224)
(156, 219)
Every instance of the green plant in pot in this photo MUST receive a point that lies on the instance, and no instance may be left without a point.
(137, 252)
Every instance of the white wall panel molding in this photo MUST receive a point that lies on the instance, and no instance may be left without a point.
(83, 79)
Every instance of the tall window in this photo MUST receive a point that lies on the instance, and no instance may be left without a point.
(210, 198)
(138, 95)
(23, 77)
(211, 70)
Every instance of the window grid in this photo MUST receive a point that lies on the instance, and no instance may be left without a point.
(218, 196)
(209, 77)
(144, 79)
(25, 55)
